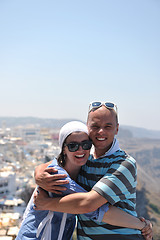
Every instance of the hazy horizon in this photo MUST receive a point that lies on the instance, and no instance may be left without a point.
(70, 119)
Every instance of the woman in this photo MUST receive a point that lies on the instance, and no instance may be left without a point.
(75, 149)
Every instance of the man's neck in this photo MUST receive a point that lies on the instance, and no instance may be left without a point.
(101, 152)
(106, 151)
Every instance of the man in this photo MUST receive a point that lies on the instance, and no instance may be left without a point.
(108, 176)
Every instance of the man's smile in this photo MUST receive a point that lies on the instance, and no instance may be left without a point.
(101, 139)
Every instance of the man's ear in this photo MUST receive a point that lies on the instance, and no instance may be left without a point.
(117, 128)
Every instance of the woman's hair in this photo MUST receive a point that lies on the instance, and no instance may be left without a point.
(61, 159)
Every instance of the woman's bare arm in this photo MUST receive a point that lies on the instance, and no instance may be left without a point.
(118, 217)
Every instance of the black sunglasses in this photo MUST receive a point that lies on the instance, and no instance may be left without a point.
(74, 146)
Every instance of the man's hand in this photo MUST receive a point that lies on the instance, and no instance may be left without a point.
(47, 179)
(41, 198)
(147, 231)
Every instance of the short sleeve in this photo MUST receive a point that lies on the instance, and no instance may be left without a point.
(119, 182)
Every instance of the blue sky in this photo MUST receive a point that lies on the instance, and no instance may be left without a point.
(57, 56)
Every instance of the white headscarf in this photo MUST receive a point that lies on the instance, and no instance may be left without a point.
(70, 127)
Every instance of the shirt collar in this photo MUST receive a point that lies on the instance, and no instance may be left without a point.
(115, 147)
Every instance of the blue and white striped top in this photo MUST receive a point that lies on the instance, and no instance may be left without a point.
(48, 225)
(114, 177)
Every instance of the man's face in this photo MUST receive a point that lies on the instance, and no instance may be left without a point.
(102, 127)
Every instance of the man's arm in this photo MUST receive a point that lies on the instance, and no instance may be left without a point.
(80, 203)
(76, 203)
(46, 179)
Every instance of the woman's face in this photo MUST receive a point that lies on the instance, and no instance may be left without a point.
(79, 157)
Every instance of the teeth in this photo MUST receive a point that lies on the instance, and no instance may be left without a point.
(80, 156)
(100, 139)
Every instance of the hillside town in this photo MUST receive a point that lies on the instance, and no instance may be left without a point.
(21, 150)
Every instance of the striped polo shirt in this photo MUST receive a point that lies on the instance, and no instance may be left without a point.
(114, 177)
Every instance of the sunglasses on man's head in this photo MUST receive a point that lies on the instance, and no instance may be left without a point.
(74, 146)
(95, 105)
